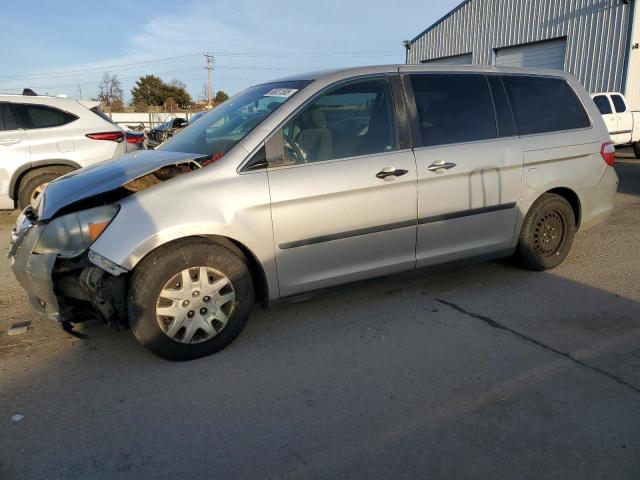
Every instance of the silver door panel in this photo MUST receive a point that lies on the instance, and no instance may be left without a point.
(334, 221)
(469, 209)
(334, 262)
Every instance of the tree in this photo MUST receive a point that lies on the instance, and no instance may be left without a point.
(110, 90)
(150, 90)
(178, 94)
(170, 104)
(178, 84)
(153, 91)
(221, 97)
(204, 93)
(142, 107)
(117, 106)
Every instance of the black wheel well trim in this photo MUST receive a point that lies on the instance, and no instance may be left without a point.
(28, 167)
(573, 199)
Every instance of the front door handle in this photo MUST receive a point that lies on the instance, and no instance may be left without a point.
(9, 141)
(440, 166)
(388, 172)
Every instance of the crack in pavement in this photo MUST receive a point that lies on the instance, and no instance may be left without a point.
(494, 324)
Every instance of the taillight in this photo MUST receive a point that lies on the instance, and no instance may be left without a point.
(112, 136)
(135, 139)
(608, 153)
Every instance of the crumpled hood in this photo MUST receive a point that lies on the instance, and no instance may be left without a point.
(106, 176)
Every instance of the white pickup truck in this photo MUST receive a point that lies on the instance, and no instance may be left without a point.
(623, 124)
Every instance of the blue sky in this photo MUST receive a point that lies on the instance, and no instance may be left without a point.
(63, 47)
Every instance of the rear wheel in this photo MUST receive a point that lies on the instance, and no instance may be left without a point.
(547, 233)
(636, 149)
(35, 181)
(189, 299)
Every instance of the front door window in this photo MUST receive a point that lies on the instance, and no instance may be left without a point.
(347, 121)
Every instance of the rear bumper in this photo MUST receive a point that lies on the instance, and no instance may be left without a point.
(33, 272)
(597, 202)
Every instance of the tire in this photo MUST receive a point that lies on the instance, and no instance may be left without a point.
(36, 178)
(636, 149)
(540, 245)
(160, 270)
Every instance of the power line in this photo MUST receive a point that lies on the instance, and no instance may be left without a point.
(183, 57)
(96, 69)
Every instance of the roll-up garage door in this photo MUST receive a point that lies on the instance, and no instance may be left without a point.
(465, 59)
(547, 54)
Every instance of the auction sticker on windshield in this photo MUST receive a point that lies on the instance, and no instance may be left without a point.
(281, 92)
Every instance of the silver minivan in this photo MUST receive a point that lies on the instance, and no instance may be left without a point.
(313, 181)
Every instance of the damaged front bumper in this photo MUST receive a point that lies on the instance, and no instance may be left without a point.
(34, 271)
(66, 290)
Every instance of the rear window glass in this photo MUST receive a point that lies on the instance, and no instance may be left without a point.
(618, 103)
(42, 116)
(453, 108)
(7, 120)
(543, 105)
(603, 104)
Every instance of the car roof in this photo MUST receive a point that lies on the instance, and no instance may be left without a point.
(343, 73)
(40, 99)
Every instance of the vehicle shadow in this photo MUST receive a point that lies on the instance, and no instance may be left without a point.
(628, 168)
(463, 363)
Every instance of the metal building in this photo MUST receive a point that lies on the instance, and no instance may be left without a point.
(596, 40)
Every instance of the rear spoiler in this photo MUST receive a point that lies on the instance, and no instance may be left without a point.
(90, 104)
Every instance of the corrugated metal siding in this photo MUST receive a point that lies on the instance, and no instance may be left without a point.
(596, 32)
(455, 60)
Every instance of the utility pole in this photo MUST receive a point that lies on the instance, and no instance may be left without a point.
(208, 68)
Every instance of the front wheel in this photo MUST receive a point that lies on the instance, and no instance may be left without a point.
(636, 149)
(547, 233)
(189, 299)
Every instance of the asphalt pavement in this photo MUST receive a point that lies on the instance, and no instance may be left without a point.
(480, 371)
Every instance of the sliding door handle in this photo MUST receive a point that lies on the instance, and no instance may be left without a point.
(389, 172)
(440, 166)
(9, 141)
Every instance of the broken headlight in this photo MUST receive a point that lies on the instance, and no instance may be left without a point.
(70, 235)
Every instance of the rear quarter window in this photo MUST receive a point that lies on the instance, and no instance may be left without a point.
(544, 105)
(42, 116)
(7, 120)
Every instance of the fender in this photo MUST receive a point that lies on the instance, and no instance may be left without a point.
(13, 184)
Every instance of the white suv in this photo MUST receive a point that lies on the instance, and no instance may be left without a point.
(42, 138)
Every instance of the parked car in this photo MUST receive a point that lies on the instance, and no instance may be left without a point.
(135, 141)
(42, 138)
(135, 137)
(165, 131)
(285, 189)
(622, 123)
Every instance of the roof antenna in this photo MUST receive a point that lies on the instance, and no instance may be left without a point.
(29, 93)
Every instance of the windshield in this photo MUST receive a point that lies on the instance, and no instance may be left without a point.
(223, 127)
